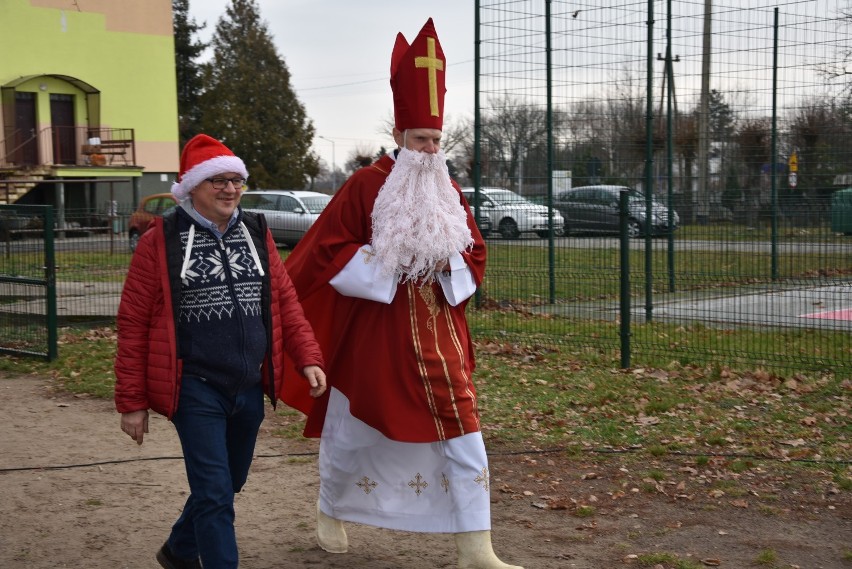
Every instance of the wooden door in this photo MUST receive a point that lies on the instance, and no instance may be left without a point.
(62, 120)
(24, 141)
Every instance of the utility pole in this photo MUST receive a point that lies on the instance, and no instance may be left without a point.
(701, 213)
(333, 165)
(520, 168)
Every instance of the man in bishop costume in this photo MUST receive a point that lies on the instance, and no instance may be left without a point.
(384, 276)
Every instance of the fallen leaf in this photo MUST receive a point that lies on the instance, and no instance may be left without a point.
(644, 420)
(562, 504)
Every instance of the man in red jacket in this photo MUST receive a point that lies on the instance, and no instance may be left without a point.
(206, 316)
(384, 275)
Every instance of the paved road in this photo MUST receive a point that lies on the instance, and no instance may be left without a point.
(661, 245)
(805, 305)
(118, 242)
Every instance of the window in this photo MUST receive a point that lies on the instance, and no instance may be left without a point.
(288, 204)
(258, 201)
(316, 204)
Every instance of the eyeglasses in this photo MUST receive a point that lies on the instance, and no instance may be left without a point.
(222, 183)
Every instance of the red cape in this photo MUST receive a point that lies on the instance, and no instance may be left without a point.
(405, 367)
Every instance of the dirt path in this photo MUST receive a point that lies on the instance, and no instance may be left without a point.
(116, 514)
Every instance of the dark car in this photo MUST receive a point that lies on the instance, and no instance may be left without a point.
(594, 209)
(149, 208)
(289, 213)
(12, 225)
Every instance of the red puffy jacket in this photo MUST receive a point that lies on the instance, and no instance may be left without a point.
(147, 368)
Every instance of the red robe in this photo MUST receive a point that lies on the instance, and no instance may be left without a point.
(405, 367)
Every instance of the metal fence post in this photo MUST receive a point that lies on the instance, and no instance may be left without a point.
(624, 292)
(50, 281)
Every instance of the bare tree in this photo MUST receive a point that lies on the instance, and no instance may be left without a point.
(753, 139)
(836, 70)
(511, 127)
(362, 155)
(820, 131)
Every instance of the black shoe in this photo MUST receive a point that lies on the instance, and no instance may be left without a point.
(168, 560)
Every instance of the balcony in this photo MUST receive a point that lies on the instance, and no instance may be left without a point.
(62, 147)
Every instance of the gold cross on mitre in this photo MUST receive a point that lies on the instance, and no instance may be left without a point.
(431, 62)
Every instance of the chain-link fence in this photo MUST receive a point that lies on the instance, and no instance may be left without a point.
(71, 274)
(27, 282)
(701, 299)
(730, 124)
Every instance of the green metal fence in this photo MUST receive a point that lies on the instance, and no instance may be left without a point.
(725, 306)
(733, 120)
(743, 151)
(27, 281)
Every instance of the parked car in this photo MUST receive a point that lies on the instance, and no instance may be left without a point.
(150, 207)
(11, 223)
(512, 214)
(594, 209)
(484, 224)
(289, 213)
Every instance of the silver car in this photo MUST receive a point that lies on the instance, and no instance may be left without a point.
(289, 213)
(512, 214)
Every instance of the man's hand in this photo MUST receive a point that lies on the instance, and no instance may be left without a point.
(135, 424)
(316, 377)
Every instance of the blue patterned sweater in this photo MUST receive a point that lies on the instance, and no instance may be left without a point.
(221, 333)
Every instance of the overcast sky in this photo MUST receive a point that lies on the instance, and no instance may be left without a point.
(338, 53)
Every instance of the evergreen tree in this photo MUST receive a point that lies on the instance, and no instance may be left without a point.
(187, 51)
(249, 105)
(721, 116)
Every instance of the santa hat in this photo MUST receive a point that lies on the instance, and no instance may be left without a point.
(202, 158)
(418, 80)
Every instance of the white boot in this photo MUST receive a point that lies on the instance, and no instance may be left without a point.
(475, 552)
(331, 536)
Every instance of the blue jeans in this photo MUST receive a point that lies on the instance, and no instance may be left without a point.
(217, 434)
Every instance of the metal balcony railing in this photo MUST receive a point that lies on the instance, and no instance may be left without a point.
(68, 146)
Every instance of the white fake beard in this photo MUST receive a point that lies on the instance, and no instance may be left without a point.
(418, 218)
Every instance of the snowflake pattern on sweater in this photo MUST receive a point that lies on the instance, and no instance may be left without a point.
(206, 292)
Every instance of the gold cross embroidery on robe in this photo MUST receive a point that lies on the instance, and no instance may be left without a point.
(367, 254)
(445, 483)
(367, 485)
(433, 65)
(418, 484)
(482, 479)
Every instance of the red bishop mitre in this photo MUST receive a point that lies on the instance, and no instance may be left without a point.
(418, 80)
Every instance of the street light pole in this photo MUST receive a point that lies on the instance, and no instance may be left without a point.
(333, 165)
